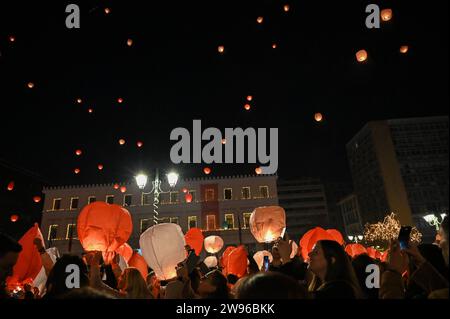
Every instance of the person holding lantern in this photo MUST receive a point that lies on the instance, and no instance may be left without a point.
(9, 253)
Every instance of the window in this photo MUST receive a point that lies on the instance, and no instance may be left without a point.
(127, 200)
(174, 220)
(193, 193)
(57, 204)
(74, 203)
(91, 199)
(110, 199)
(145, 223)
(264, 191)
(246, 192)
(52, 232)
(192, 221)
(228, 193)
(147, 199)
(71, 231)
(211, 222)
(209, 195)
(173, 197)
(164, 220)
(229, 221)
(247, 220)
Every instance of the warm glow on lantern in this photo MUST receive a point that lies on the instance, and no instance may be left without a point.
(258, 170)
(90, 110)
(121, 141)
(318, 117)
(386, 14)
(259, 257)
(247, 106)
(11, 186)
(12, 38)
(210, 261)
(207, 170)
(76, 170)
(213, 244)
(14, 218)
(286, 8)
(184, 190)
(224, 141)
(361, 55)
(139, 144)
(30, 85)
(260, 20)
(404, 49)
(130, 42)
(116, 186)
(37, 199)
(268, 223)
(107, 10)
(274, 46)
(249, 98)
(119, 100)
(221, 49)
(79, 101)
(188, 197)
(100, 166)
(123, 189)
(78, 152)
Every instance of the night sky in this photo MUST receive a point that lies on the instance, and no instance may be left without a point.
(173, 73)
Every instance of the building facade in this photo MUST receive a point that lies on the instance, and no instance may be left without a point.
(349, 210)
(219, 206)
(401, 166)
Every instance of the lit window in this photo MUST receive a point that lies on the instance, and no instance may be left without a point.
(211, 222)
(74, 203)
(192, 222)
(147, 199)
(229, 221)
(110, 199)
(52, 232)
(264, 191)
(247, 220)
(145, 223)
(127, 200)
(173, 197)
(209, 194)
(71, 231)
(91, 199)
(57, 204)
(246, 192)
(228, 193)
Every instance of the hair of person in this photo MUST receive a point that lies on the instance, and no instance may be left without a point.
(270, 285)
(135, 285)
(433, 254)
(218, 280)
(8, 244)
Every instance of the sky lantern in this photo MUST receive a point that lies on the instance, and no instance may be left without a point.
(237, 262)
(361, 56)
(373, 253)
(103, 227)
(318, 117)
(210, 261)
(130, 42)
(100, 167)
(107, 10)
(12, 38)
(268, 223)
(224, 141)
(404, 49)
(188, 197)
(286, 8)
(226, 253)
(213, 244)
(249, 98)
(274, 45)
(163, 249)
(137, 261)
(247, 107)
(14, 218)
(30, 85)
(139, 144)
(36, 199)
(76, 171)
(207, 170)
(116, 186)
(386, 14)
(194, 238)
(259, 20)
(312, 236)
(120, 100)
(90, 110)
(125, 251)
(79, 101)
(259, 257)
(221, 49)
(337, 236)
(184, 190)
(258, 170)
(355, 250)
(121, 141)
(123, 189)
(78, 152)
(10, 186)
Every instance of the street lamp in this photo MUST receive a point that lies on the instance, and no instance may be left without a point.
(141, 181)
(355, 238)
(433, 220)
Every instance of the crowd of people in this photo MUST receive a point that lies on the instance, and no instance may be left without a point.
(416, 272)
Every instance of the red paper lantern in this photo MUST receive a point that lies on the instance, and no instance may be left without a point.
(237, 262)
(139, 144)
(78, 152)
(138, 262)
(404, 49)
(100, 166)
(260, 20)
(373, 253)
(76, 170)
(355, 250)
(116, 186)
(130, 42)
(361, 56)
(312, 236)
(386, 14)
(221, 49)
(103, 227)
(11, 185)
(337, 236)
(123, 189)
(267, 223)
(125, 251)
(249, 98)
(207, 170)
(37, 199)
(194, 238)
(14, 218)
(224, 258)
(119, 100)
(184, 190)
(188, 197)
(247, 107)
(384, 255)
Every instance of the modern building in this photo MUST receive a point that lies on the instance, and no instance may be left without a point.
(335, 191)
(401, 166)
(305, 204)
(220, 206)
(349, 210)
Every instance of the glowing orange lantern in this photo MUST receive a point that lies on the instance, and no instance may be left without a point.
(221, 49)
(90, 110)
(194, 238)
(107, 10)
(12, 38)
(224, 141)
(184, 190)
(79, 101)
(224, 258)
(125, 251)
(318, 117)
(258, 170)
(373, 253)
(355, 250)
(188, 197)
(30, 85)
(78, 152)
(249, 98)
(76, 171)
(121, 141)
(207, 170)
(384, 255)
(116, 186)
(163, 249)
(213, 244)
(11, 185)
(260, 20)
(274, 45)
(268, 223)
(286, 8)
(337, 236)
(137, 261)
(247, 107)
(386, 14)
(123, 189)
(404, 49)
(130, 42)
(210, 261)
(139, 144)
(100, 167)
(237, 262)
(14, 218)
(103, 227)
(361, 56)
(312, 236)
(259, 257)
(37, 199)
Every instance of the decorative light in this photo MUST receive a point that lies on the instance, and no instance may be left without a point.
(79, 101)
(90, 111)
(184, 190)
(116, 186)
(107, 10)
(386, 14)
(361, 56)
(224, 141)
(10, 186)
(172, 178)
(274, 46)
(123, 189)
(404, 49)
(360, 237)
(141, 180)
(350, 238)
(12, 38)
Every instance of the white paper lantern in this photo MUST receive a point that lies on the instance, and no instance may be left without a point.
(259, 257)
(210, 261)
(268, 223)
(163, 249)
(213, 244)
